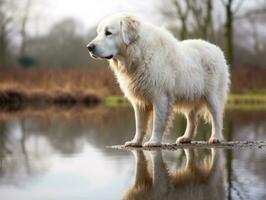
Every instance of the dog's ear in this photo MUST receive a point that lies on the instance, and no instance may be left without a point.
(129, 29)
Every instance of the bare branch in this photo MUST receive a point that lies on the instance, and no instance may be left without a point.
(179, 10)
(24, 22)
(182, 14)
(196, 11)
(224, 2)
(248, 14)
(202, 14)
(238, 6)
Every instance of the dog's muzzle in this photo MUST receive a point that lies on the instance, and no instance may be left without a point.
(91, 47)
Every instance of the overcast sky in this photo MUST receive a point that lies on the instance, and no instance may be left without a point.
(89, 12)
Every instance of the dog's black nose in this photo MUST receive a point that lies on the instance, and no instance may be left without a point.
(91, 47)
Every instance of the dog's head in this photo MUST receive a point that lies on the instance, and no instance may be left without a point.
(114, 34)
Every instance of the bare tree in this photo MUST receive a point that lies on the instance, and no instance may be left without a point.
(63, 46)
(183, 16)
(24, 20)
(177, 11)
(195, 17)
(14, 17)
(5, 19)
(231, 8)
(252, 13)
(202, 14)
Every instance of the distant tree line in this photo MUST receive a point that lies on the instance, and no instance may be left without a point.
(14, 16)
(222, 22)
(63, 46)
(238, 26)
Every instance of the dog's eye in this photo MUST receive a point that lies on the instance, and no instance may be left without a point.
(108, 33)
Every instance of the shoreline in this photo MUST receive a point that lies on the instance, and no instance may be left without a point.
(17, 99)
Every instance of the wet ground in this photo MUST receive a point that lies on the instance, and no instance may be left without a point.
(197, 144)
(62, 154)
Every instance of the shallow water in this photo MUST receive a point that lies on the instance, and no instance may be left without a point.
(62, 154)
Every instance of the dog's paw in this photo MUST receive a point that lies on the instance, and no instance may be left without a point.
(214, 140)
(183, 139)
(133, 143)
(152, 144)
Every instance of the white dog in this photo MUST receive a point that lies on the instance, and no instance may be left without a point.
(159, 75)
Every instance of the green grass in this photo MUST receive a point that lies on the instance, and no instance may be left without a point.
(114, 101)
(248, 97)
(247, 101)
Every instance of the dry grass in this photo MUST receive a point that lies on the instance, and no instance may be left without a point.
(248, 79)
(53, 82)
(65, 86)
(71, 85)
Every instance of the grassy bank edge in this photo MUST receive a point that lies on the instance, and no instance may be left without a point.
(235, 101)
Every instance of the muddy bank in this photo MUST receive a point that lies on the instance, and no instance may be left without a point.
(11, 100)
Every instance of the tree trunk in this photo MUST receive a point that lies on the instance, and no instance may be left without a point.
(23, 28)
(183, 15)
(3, 46)
(183, 32)
(23, 39)
(208, 20)
(229, 33)
(203, 21)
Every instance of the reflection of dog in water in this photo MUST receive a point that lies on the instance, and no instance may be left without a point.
(197, 179)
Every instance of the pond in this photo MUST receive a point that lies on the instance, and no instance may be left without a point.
(60, 153)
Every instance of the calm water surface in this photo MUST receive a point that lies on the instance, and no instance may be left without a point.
(61, 154)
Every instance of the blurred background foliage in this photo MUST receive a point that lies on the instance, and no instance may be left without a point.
(238, 26)
(28, 41)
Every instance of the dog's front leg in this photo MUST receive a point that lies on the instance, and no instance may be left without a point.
(142, 175)
(141, 118)
(161, 107)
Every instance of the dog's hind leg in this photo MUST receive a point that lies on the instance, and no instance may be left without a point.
(216, 112)
(141, 119)
(191, 127)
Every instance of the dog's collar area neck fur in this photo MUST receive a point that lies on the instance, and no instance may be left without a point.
(123, 65)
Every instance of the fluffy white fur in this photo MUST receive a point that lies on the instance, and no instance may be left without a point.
(160, 75)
